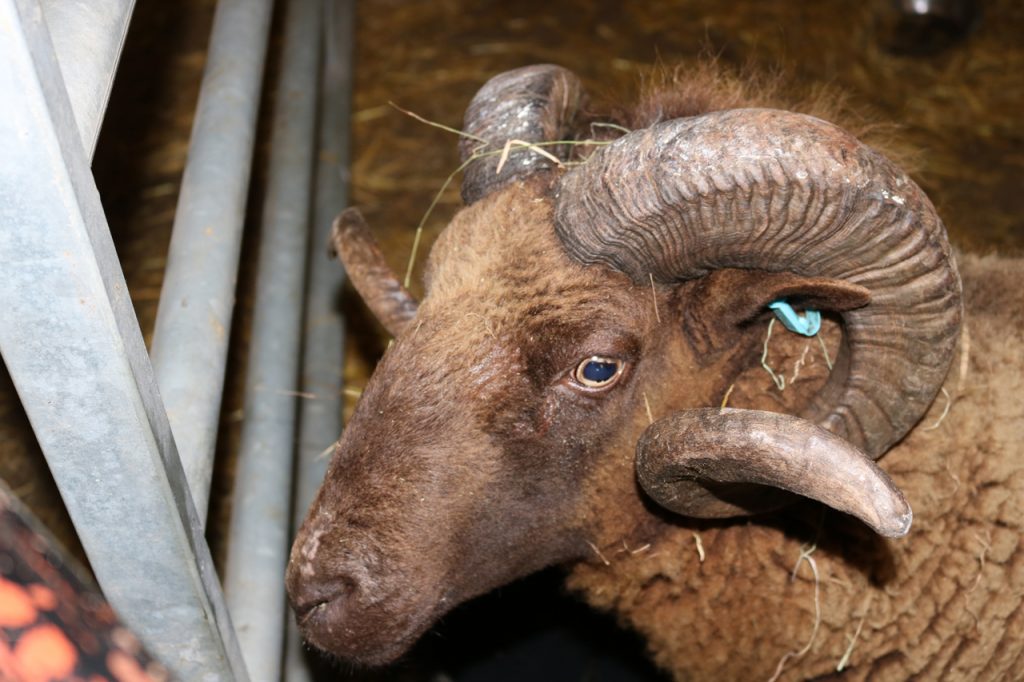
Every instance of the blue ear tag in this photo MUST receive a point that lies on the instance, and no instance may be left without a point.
(807, 324)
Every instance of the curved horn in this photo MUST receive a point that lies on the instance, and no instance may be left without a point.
(778, 191)
(688, 462)
(389, 301)
(532, 104)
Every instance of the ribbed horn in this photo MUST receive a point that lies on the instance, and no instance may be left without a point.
(778, 191)
(690, 463)
(532, 104)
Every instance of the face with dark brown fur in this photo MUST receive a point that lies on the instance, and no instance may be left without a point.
(530, 398)
(465, 464)
(484, 448)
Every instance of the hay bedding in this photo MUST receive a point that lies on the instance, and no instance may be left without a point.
(960, 108)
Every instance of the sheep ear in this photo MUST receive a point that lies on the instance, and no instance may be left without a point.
(354, 245)
(726, 299)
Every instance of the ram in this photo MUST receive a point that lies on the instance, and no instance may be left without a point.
(594, 378)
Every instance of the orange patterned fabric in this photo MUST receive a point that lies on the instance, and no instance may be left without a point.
(54, 625)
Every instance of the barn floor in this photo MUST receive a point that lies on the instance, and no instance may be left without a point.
(957, 102)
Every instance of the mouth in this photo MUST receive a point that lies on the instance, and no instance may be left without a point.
(306, 613)
(363, 634)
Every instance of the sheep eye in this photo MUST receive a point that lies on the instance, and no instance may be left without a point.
(598, 372)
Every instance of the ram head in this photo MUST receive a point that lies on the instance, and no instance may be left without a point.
(584, 315)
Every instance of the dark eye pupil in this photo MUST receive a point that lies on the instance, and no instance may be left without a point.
(599, 371)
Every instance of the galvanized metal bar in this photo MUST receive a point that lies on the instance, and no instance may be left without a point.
(190, 340)
(88, 37)
(324, 330)
(260, 520)
(70, 339)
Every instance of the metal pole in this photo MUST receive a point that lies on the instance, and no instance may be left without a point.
(258, 537)
(324, 337)
(69, 337)
(88, 37)
(190, 340)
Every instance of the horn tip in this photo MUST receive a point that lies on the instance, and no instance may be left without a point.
(896, 526)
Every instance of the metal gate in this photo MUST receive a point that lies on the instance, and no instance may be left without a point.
(129, 435)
